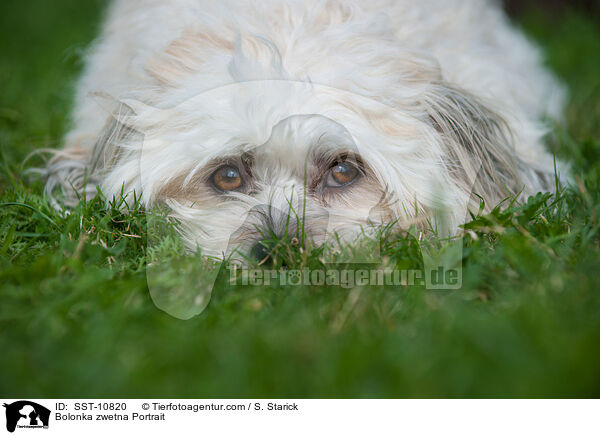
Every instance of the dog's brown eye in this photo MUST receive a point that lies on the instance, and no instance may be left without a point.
(227, 178)
(341, 174)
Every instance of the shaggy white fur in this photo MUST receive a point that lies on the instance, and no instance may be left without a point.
(311, 117)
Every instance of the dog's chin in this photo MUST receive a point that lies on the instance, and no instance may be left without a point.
(253, 242)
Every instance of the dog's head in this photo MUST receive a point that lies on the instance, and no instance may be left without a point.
(241, 165)
(243, 145)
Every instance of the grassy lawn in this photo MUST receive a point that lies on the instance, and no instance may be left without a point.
(77, 320)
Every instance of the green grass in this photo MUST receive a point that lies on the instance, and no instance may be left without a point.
(77, 319)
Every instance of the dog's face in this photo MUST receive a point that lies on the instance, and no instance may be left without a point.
(306, 181)
(241, 165)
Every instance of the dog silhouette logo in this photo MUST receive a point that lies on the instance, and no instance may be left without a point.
(26, 414)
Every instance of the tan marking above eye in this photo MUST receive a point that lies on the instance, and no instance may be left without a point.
(227, 178)
(342, 174)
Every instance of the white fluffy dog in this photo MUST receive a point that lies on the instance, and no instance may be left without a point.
(308, 117)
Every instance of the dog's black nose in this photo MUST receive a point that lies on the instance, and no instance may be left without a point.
(261, 252)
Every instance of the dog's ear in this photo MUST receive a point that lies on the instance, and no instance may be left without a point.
(107, 151)
(74, 171)
(477, 141)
